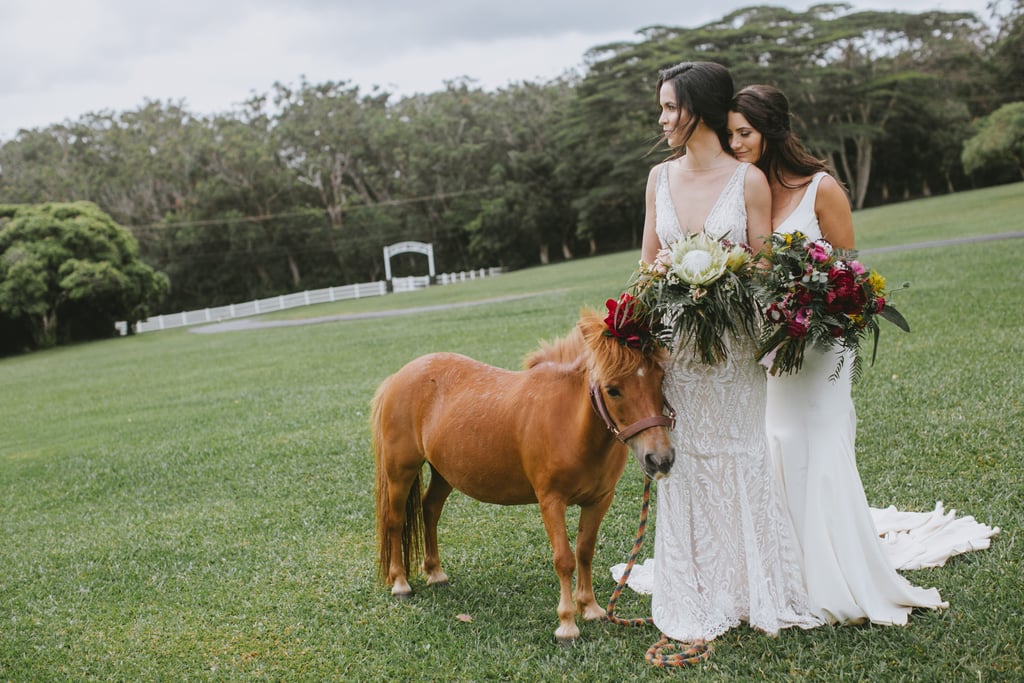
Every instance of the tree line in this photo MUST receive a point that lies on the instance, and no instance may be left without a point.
(302, 186)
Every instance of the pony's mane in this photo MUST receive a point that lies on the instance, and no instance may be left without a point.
(568, 352)
(587, 342)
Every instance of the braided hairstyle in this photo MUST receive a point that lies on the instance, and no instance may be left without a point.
(782, 153)
(704, 90)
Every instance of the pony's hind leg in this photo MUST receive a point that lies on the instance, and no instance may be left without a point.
(433, 502)
(402, 526)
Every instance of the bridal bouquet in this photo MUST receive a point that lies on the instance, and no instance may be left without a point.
(700, 289)
(817, 296)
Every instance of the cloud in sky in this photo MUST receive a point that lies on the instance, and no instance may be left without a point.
(64, 58)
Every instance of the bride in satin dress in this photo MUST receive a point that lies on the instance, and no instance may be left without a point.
(725, 549)
(811, 422)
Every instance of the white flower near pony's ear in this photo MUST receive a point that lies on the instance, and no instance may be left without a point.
(698, 261)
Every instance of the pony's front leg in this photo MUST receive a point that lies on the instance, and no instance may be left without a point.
(553, 514)
(586, 542)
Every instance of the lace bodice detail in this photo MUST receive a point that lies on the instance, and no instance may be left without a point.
(727, 218)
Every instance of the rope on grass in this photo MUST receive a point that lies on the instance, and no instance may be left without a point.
(658, 654)
(640, 533)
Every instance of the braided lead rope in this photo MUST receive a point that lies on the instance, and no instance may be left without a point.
(640, 532)
(657, 654)
(696, 652)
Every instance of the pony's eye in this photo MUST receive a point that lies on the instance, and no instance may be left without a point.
(612, 391)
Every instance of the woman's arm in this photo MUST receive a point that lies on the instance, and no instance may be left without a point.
(758, 198)
(651, 244)
(832, 207)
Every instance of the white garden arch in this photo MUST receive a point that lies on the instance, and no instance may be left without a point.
(408, 247)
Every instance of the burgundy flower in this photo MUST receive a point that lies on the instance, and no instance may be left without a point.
(775, 313)
(845, 295)
(795, 328)
(621, 322)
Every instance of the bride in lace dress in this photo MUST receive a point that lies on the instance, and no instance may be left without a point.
(811, 421)
(725, 551)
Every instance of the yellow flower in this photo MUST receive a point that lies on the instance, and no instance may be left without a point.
(876, 282)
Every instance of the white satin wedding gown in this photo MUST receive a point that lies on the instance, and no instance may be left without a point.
(812, 426)
(725, 550)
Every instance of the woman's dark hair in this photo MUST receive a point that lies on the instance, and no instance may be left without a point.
(766, 109)
(704, 90)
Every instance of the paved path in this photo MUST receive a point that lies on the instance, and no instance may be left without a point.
(946, 243)
(241, 324)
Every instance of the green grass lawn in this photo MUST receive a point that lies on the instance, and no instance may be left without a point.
(176, 506)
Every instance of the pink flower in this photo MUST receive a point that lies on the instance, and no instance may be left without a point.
(819, 251)
(798, 326)
(662, 261)
(857, 267)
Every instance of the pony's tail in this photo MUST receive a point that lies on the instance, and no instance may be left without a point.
(412, 530)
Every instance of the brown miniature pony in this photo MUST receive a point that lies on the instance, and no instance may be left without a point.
(546, 435)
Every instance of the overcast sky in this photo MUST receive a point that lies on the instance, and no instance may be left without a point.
(60, 59)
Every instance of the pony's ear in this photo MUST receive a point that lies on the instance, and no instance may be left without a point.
(591, 326)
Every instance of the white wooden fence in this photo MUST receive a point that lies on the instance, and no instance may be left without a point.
(306, 298)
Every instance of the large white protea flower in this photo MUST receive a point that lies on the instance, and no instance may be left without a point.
(698, 260)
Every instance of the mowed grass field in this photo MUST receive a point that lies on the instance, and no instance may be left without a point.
(178, 506)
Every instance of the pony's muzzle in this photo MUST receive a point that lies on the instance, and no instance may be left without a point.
(657, 464)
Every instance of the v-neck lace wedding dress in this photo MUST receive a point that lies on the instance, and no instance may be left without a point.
(725, 550)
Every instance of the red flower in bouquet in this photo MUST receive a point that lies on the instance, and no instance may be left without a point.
(845, 295)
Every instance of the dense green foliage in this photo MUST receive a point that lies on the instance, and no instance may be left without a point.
(999, 140)
(302, 186)
(179, 506)
(68, 272)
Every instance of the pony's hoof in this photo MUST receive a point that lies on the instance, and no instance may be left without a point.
(401, 592)
(567, 635)
(437, 579)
